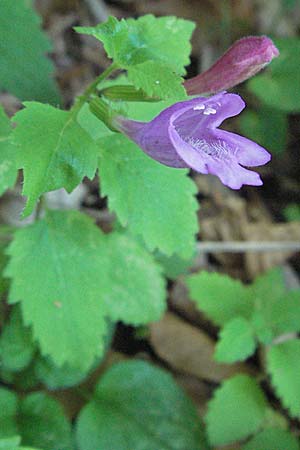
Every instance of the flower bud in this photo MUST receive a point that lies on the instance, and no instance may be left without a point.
(242, 60)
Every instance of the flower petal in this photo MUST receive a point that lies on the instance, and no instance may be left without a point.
(248, 153)
(211, 154)
(207, 113)
(233, 175)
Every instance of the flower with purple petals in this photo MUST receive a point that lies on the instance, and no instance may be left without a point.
(187, 135)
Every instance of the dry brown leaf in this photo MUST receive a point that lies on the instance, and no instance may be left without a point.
(189, 350)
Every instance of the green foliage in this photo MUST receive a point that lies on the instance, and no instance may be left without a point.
(261, 311)
(154, 201)
(220, 297)
(236, 341)
(16, 346)
(174, 265)
(68, 322)
(8, 169)
(42, 422)
(66, 376)
(283, 365)
(138, 406)
(278, 87)
(151, 49)
(272, 439)
(236, 411)
(60, 159)
(266, 126)
(38, 419)
(8, 411)
(87, 277)
(157, 80)
(25, 71)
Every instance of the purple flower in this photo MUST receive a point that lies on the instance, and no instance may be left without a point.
(242, 60)
(187, 135)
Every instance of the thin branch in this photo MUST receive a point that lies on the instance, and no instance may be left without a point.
(247, 246)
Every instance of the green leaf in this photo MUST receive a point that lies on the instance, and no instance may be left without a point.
(267, 126)
(154, 201)
(151, 49)
(278, 87)
(64, 377)
(174, 265)
(87, 276)
(8, 411)
(16, 345)
(273, 439)
(8, 169)
(10, 443)
(138, 406)
(283, 365)
(42, 422)
(25, 71)
(220, 297)
(134, 291)
(285, 314)
(236, 411)
(148, 38)
(68, 323)
(236, 341)
(277, 311)
(59, 158)
(91, 124)
(157, 80)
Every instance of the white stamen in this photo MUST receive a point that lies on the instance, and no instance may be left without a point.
(199, 107)
(209, 111)
(216, 149)
(157, 82)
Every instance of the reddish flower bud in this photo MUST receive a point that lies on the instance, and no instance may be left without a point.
(242, 60)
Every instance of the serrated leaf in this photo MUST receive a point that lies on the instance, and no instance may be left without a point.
(157, 80)
(272, 439)
(278, 87)
(154, 201)
(220, 297)
(236, 411)
(8, 411)
(151, 49)
(148, 38)
(42, 422)
(86, 277)
(65, 377)
(62, 302)
(60, 158)
(8, 169)
(138, 406)
(25, 70)
(283, 365)
(16, 345)
(236, 341)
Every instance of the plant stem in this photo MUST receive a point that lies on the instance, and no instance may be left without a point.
(91, 89)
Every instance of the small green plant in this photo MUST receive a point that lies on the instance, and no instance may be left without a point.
(261, 315)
